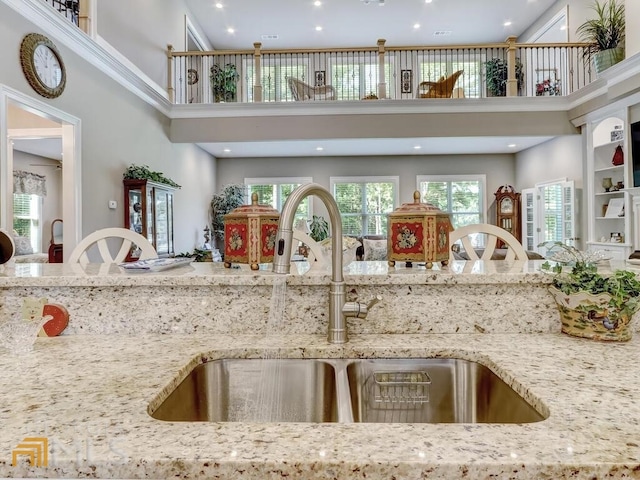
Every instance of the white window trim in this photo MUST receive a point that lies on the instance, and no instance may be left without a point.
(482, 178)
(278, 181)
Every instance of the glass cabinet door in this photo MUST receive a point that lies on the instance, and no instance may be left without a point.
(135, 211)
(162, 227)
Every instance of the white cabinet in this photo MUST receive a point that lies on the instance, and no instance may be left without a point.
(609, 201)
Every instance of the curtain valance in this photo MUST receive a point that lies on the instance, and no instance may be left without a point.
(29, 183)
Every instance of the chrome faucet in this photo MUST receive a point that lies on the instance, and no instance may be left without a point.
(339, 308)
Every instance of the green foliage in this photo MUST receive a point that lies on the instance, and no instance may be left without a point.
(231, 197)
(142, 172)
(198, 255)
(497, 73)
(318, 228)
(224, 82)
(623, 286)
(607, 30)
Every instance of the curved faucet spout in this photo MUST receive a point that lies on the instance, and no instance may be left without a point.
(282, 256)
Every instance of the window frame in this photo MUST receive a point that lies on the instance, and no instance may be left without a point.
(481, 178)
(248, 181)
(35, 218)
(394, 179)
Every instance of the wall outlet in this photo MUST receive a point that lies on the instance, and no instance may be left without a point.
(113, 204)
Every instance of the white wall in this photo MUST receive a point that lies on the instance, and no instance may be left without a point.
(500, 170)
(52, 204)
(118, 129)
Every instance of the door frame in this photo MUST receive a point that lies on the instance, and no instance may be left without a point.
(72, 164)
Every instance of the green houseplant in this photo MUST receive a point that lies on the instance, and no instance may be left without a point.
(591, 305)
(142, 172)
(496, 74)
(318, 228)
(605, 34)
(231, 197)
(224, 82)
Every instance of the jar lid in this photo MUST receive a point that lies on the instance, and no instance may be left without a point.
(255, 209)
(417, 207)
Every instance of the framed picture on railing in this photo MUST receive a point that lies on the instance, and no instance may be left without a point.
(406, 81)
(320, 78)
(547, 82)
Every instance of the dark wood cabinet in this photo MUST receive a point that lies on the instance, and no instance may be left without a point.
(148, 210)
(508, 211)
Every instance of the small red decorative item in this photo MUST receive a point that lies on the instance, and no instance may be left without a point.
(418, 232)
(618, 156)
(250, 234)
(58, 323)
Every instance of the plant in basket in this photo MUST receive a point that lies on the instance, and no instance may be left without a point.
(591, 304)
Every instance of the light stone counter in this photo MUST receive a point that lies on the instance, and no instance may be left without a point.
(88, 395)
(503, 297)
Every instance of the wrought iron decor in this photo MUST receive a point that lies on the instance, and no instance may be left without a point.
(406, 81)
(69, 8)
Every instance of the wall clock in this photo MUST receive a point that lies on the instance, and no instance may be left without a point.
(42, 65)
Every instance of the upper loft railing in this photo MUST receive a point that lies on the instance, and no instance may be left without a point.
(502, 69)
(69, 8)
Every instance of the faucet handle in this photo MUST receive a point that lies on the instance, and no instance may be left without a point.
(359, 310)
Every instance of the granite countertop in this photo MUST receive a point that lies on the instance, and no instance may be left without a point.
(89, 394)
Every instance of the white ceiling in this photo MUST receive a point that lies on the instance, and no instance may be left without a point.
(354, 23)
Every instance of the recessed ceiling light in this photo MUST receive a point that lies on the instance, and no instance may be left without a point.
(512, 145)
(218, 5)
(319, 149)
(417, 147)
(428, 1)
(318, 28)
(507, 23)
(416, 26)
(231, 30)
(317, 3)
(227, 150)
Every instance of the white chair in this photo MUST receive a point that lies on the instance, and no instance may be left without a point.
(492, 233)
(100, 238)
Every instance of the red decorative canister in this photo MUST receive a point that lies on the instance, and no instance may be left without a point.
(250, 234)
(418, 232)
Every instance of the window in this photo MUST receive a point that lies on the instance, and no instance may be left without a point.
(27, 221)
(462, 196)
(274, 78)
(364, 203)
(354, 77)
(275, 191)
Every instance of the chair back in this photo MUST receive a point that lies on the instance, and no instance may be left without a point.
(493, 233)
(56, 232)
(297, 88)
(443, 88)
(99, 240)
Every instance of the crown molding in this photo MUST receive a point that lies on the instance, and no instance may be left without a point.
(95, 51)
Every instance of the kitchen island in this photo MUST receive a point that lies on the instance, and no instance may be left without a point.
(89, 391)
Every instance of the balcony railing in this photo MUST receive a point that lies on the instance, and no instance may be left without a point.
(69, 8)
(502, 69)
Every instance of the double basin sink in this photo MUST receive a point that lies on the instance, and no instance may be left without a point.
(420, 390)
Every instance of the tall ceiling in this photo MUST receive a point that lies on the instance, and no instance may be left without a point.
(360, 23)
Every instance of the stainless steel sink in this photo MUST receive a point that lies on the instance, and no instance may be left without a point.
(254, 390)
(433, 390)
(423, 390)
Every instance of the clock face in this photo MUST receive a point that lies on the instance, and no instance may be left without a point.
(506, 205)
(47, 66)
(42, 65)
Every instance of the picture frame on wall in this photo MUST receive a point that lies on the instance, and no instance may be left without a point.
(320, 76)
(406, 81)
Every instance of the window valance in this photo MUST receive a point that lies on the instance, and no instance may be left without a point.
(29, 183)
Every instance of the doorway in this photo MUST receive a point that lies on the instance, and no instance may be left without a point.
(22, 116)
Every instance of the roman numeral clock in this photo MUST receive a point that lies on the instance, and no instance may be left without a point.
(42, 65)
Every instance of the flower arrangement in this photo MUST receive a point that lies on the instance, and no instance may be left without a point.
(548, 88)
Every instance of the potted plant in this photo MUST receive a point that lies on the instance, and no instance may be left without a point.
(318, 228)
(224, 82)
(605, 34)
(497, 73)
(142, 172)
(231, 197)
(592, 305)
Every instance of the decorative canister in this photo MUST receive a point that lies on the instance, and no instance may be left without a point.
(418, 232)
(250, 234)
(586, 315)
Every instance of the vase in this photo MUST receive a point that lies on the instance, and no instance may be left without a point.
(590, 316)
(607, 58)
